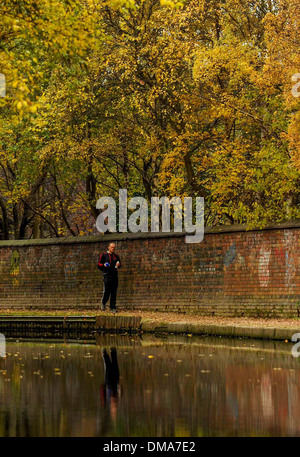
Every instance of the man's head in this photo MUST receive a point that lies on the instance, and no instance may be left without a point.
(111, 248)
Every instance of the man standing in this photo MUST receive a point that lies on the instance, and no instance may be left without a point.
(109, 263)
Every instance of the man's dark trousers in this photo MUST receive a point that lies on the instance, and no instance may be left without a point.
(110, 283)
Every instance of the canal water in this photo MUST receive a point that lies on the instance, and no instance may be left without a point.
(153, 387)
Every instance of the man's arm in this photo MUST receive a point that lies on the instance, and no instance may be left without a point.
(101, 262)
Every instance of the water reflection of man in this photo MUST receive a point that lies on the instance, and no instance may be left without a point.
(110, 391)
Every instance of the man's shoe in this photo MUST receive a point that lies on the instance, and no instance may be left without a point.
(103, 307)
(113, 310)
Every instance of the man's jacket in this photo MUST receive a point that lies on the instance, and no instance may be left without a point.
(112, 259)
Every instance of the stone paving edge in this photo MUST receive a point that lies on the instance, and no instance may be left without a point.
(269, 333)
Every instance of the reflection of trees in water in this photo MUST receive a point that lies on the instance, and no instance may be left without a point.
(265, 396)
(57, 402)
(206, 391)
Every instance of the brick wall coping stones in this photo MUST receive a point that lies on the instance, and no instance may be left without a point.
(135, 236)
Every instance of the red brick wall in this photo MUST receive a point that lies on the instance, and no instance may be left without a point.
(231, 272)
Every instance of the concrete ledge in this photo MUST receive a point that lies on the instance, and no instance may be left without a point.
(118, 324)
(266, 333)
(285, 333)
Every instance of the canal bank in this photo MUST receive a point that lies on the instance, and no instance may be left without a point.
(16, 324)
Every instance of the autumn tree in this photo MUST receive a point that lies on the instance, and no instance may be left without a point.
(188, 98)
